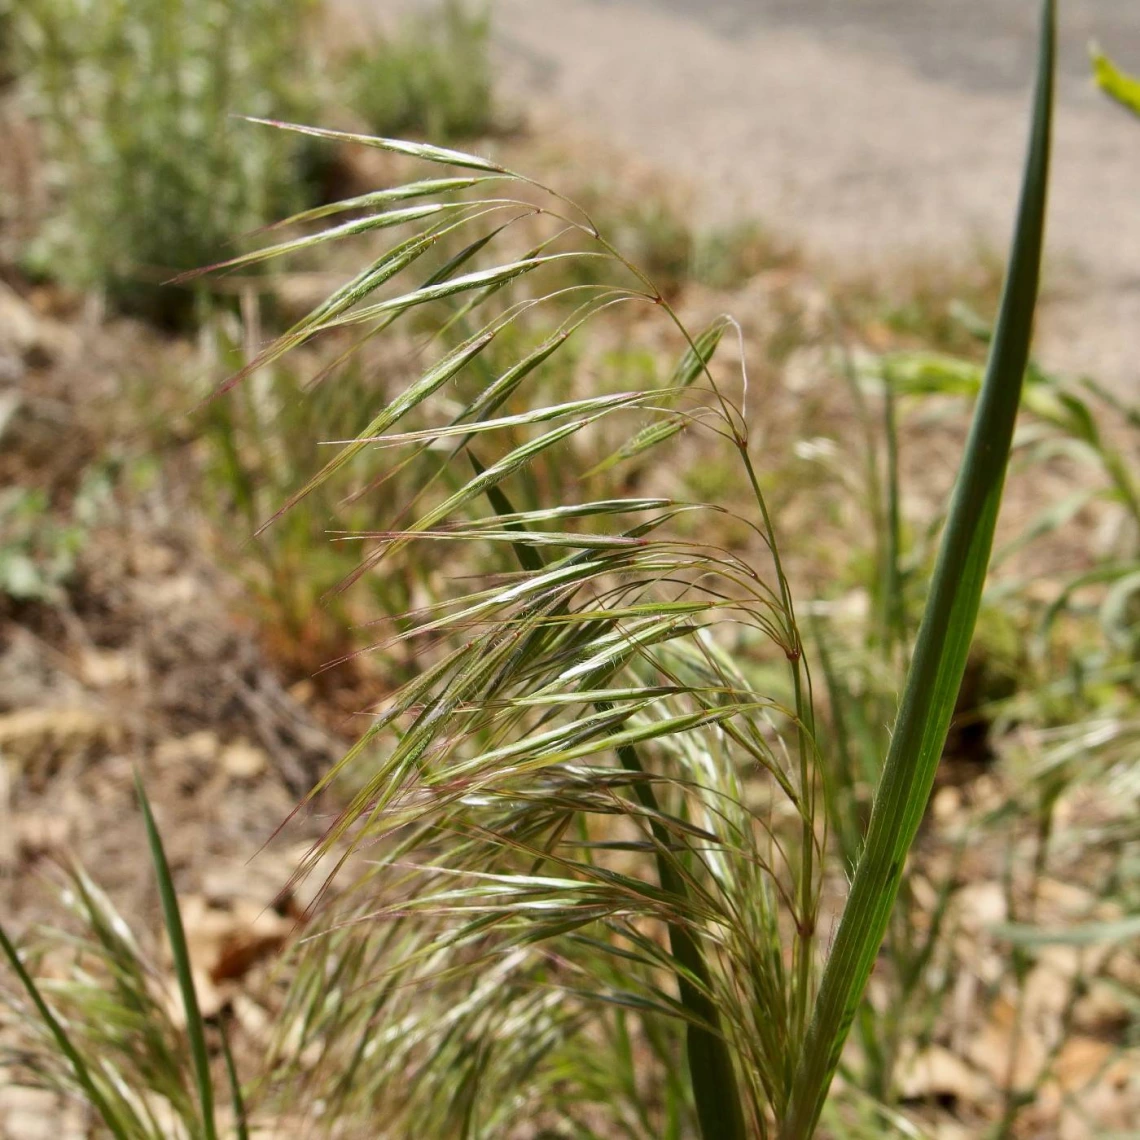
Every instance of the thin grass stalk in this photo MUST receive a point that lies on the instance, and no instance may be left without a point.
(894, 615)
(172, 918)
(237, 1100)
(55, 1027)
(716, 1093)
(944, 637)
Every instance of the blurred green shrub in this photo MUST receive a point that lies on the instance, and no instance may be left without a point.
(662, 239)
(261, 446)
(432, 79)
(136, 101)
(37, 554)
(7, 60)
(40, 545)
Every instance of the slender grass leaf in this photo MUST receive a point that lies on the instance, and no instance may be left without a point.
(426, 151)
(237, 1100)
(943, 640)
(429, 188)
(345, 229)
(59, 1034)
(1085, 934)
(172, 918)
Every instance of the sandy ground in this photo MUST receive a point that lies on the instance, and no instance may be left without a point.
(869, 132)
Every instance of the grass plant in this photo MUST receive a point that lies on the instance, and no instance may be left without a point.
(431, 79)
(151, 172)
(116, 1038)
(597, 840)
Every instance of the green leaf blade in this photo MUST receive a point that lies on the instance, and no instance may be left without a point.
(66, 1046)
(172, 917)
(944, 638)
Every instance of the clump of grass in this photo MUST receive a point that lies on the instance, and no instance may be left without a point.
(726, 256)
(108, 1032)
(570, 887)
(151, 171)
(602, 643)
(924, 303)
(259, 446)
(1077, 420)
(431, 79)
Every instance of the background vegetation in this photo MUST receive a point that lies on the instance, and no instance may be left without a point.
(597, 836)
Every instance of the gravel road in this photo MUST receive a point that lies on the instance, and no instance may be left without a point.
(975, 45)
(868, 130)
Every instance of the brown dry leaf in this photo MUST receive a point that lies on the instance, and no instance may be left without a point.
(953, 1130)
(254, 1019)
(41, 833)
(1101, 1086)
(993, 1046)
(254, 936)
(8, 844)
(980, 905)
(198, 747)
(105, 668)
(244, 761)
(37, 736)
(946, 806)
(1049, 988)
(938, 1074)
(37, 1114)
(303, 691)
(225, 943)
(22, 331)
(1080, 1061)
(1101, 1011)
(1059, 902)
(152, 559)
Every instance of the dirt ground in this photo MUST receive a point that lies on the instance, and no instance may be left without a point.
(145, 663)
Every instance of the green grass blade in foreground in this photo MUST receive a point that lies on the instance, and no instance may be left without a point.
(172, 917)
(66, 1046)
(237, 1100)
(943, 639)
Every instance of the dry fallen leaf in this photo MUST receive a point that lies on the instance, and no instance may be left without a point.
(37, 735)
(226, 942)
(1101, 1089)
(997, 1042)
(37, 1114)
(244, 761)
(938, 1074)
(198, 747)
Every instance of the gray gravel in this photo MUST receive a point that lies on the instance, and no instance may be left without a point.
(976, 45)
(868, 130)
